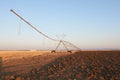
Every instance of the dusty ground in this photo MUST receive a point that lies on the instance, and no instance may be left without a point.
(43, 65)
(20, 62)
(84, 65)
(20, 54)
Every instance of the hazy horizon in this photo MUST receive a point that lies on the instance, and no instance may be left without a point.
(89, 24)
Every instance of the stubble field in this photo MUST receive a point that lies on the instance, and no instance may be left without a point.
(43, 65)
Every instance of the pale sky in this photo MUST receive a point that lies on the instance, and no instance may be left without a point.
(89, 24)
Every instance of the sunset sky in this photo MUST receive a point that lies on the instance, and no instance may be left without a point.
(89, 24)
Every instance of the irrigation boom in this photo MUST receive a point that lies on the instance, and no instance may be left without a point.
(33, 26)
(60, 41)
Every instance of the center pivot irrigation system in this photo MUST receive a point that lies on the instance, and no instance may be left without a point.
(59, 41)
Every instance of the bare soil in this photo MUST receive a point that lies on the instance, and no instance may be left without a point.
(43, 65)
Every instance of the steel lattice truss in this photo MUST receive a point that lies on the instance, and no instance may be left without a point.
(65, 43)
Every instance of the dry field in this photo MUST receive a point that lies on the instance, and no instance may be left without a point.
(43, 65)
(21, 62)
(6, 55)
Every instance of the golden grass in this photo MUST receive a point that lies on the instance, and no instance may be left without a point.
(20, 54)
(23, 61)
